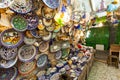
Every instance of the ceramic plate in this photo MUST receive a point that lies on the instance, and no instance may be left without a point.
(8, 74)
(26, 67)
(27, 53)
(65, 45)
(58, 54)
(8, 63)
(43, 46)
(21, 6)
(52, 3)
(29, 41)
(48, 13)
(55, 47)
(42, 60)
(47, 22)
(5, 3)
(11, 38)
(8, 53)
(32, 19)
(19, 23)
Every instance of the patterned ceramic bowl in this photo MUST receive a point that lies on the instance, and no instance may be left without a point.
(65, 52)
(47, 37)
(8, 63)
(19, 23)
(42, 60)
(47, 22)
(25, 68)
(58, 55)
(5, 3)
(21, 6)
(65, 45)
(29, 41)
(32, 19)
(27, 53)
(52, 3)
(37, 33)
(43, 46)
(8, 53)
(8, 74)
(11, 38)
(55, 47)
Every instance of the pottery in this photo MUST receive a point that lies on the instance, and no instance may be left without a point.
(50, 28)
(26, 53)
(11, 38)
(43, 46)
(21, 6)
(5, 3)
(52, 3)
(8, 53)
(65, 52)
(8, 74)
(47, 37)
(65, 44)
(29, 41)
(25, 68)
(55, 76)
(55, 47)
(37, 33)
(8, 63)
(42, 60)
(58, 55)
(47, 22)
(32, 19)
(19, 23)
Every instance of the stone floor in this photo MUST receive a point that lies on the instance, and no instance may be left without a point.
(100, 71)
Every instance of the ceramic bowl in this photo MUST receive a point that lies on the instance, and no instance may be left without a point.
(8, 74)
(58, 55)
(42, 60)
(33, 20)
(43, 46)
(5, 3)
(21, 6)
(47, 22)
(27, 53)
(65, 44)
(55, 47)
(50, 28)
(19, 23)
(52, 3)
(11, 38)
(37, 33)
(29, 41)
(47, 37)
(65, 52)
(8, 63)
(8, 53)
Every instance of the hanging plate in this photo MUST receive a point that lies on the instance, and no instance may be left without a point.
(8, 53)
(8, 63)
(43, 46)
(19, 23)
(52, 3)
(42, 60)
(32, 19)
(27, 53)
(29, 41)
(5, 3)
(21, 6)
(47, 22)
(8, 74)
(11, 38)
(26, 67)
(48, 13)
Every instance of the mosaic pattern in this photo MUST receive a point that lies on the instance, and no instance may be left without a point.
(101, 71)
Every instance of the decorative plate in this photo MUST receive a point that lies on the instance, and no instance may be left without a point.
(55, 76)
(8, 63)
(48, 13)
(8, 53)
(29, 41)
(21, 6)
(42, 60)
(65, 52)
(37, 33)
(50, 28)
(26, 67)
(52, 3)
(11, 38)
(32, 19)
(8, 74)
(58, 54)
(43, 46)
(47, 37)
(27, 53)
(65, 45)
(55, 47)
(47, 22)
(19, 23)
(5, 3)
